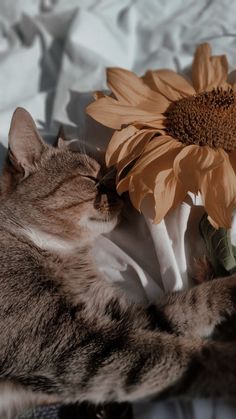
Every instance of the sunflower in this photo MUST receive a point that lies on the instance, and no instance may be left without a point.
(173, 136)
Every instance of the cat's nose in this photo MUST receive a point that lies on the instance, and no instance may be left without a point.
(108, 194)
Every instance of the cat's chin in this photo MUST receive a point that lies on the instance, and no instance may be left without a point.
(99, 225)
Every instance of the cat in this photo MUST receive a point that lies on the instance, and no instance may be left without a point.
(69, 335)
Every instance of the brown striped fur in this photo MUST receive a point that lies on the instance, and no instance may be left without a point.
(66, 333)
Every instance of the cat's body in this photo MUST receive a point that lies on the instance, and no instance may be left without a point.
(68, 335)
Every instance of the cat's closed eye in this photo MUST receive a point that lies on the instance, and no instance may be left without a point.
(94, 179)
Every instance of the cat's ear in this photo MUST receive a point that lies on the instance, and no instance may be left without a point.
(25, 143)
(61, 143)
(66, 144)
(60, 138)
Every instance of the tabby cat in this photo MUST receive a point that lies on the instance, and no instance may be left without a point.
(67, 335)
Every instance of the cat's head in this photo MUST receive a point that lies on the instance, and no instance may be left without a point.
(55, 189)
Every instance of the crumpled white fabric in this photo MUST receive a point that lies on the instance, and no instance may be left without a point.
(53, 53)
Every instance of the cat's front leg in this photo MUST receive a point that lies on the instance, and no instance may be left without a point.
(198, 311)
(149, 364)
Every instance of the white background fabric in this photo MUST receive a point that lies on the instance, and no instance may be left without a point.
(53, 53)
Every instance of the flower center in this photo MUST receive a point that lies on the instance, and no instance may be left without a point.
(208, 118)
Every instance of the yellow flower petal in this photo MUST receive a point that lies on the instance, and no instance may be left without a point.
(123, 185)
(193, 162)
(220, 69)
(207, 71)
(202, 68)
(162, 145)
(117, 140)
(162, 87)
(168, 193)
(130, 89)
(159, 124)
(218, 191)
(112, 114)
(158, 147)
(176, 81)
(169, 83)
(138, 189)
(141, 179)
(136, 144)
(132, 150)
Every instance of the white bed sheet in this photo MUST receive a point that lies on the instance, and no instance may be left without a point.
(53, 53)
